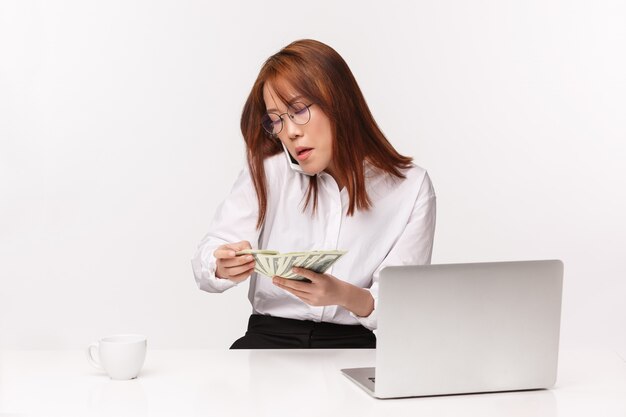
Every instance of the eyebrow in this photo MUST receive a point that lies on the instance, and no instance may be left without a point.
(290, 102)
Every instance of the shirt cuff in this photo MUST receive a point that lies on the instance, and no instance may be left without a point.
(371, 321)
(204, 273)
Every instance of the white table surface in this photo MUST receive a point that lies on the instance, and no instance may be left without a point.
(280, 383)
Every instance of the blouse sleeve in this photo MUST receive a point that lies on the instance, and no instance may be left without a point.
(235, 220)
(413, 247)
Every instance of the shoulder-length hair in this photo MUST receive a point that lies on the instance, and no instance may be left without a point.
(319, 73)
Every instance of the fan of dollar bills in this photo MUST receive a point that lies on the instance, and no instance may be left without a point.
(270, 262)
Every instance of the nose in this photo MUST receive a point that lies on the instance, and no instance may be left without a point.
(293, 130)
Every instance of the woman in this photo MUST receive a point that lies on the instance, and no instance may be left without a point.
(320, 176)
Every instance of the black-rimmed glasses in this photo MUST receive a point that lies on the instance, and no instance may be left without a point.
(298, 112)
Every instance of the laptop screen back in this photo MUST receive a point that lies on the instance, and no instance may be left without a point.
(460, 328)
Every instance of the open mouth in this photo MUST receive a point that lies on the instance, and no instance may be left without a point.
(302, 151)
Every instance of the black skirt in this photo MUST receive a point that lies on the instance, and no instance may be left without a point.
(267, 332)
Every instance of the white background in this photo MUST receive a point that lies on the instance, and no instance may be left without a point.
(119, 136)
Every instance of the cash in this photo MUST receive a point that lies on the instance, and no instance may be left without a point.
(271, 263)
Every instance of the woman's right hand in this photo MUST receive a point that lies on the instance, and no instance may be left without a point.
(233, 267)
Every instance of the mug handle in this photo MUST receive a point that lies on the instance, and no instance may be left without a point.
(92, 359)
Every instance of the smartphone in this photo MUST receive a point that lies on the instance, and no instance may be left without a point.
(293, 163)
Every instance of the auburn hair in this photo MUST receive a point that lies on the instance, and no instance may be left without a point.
(316, 71)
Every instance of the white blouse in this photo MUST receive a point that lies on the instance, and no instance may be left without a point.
(397, 230)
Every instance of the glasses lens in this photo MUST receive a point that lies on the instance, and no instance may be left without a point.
(300, 113)
(271, 123)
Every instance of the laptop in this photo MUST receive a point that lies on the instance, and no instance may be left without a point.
(465, 328)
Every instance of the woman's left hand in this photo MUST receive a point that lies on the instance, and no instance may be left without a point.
(323, 290)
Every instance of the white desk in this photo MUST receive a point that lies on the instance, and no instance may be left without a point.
(291, 383)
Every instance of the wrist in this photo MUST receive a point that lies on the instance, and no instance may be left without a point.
(357, 300)
(345, 294)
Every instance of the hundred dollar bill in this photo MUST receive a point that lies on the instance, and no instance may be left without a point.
(324, 262)
(271, 263)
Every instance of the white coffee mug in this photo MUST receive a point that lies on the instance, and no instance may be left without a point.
(121, 356)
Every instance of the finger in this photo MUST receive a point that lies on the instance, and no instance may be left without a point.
(300, 294)
(240, 269)
(224, 253)
(243, 274)
(291, 283)
(237, 261)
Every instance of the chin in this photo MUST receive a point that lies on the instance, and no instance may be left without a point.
(312, 170)
(308, 169)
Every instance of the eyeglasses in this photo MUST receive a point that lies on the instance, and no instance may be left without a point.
(298, 112)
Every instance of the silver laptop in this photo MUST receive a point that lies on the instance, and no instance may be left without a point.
(465, 328)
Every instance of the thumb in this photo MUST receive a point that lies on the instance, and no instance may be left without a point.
(307, 273)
